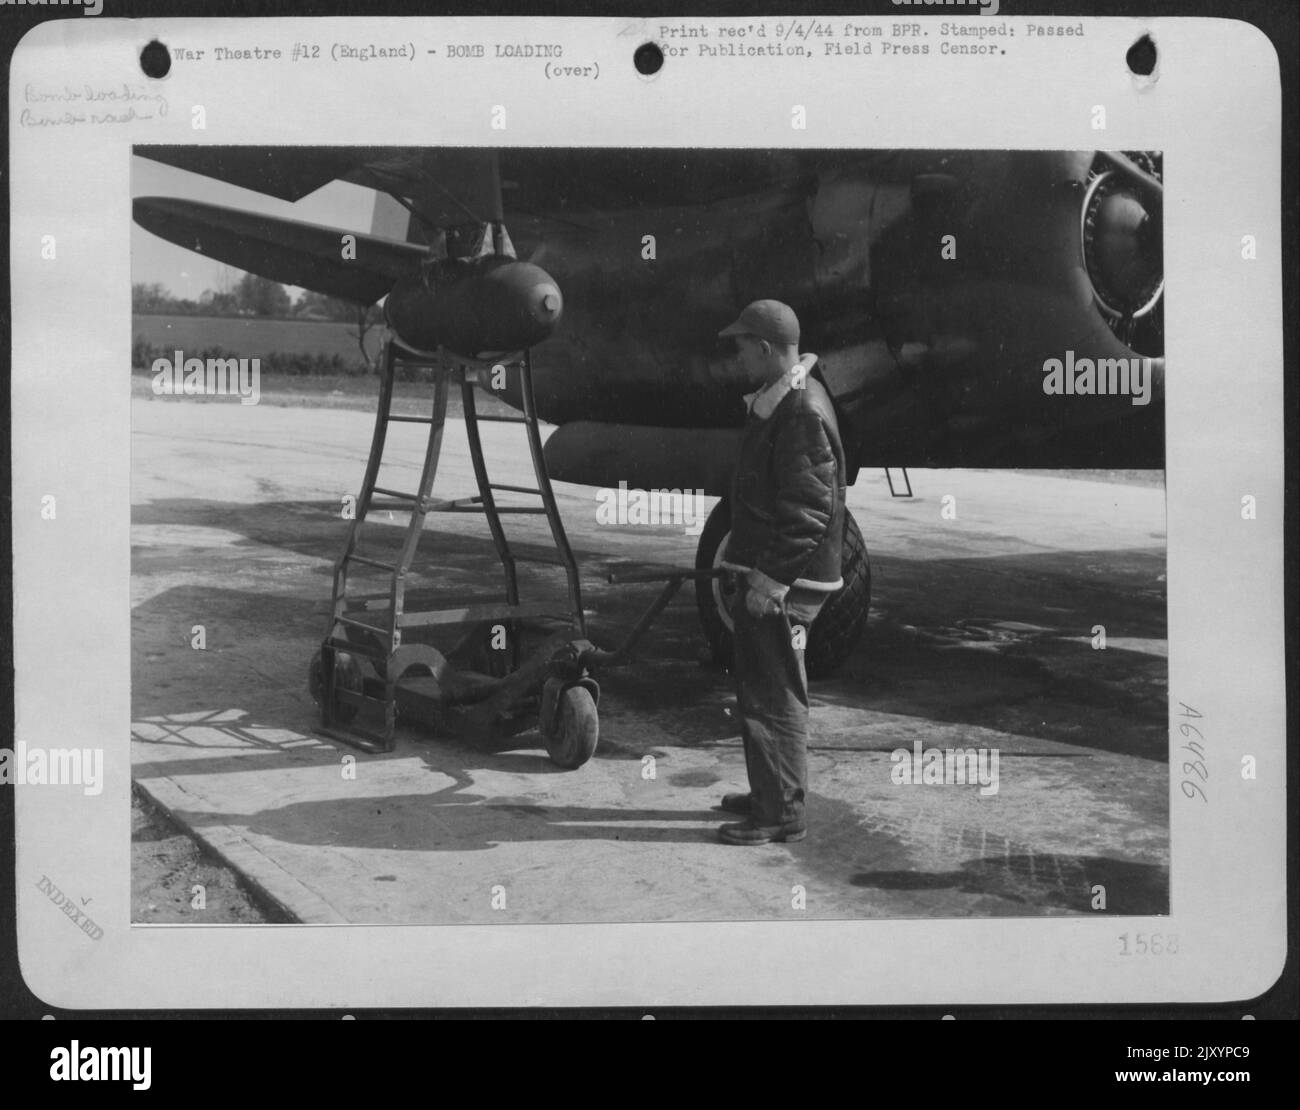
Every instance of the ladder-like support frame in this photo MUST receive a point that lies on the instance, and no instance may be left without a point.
(372, 626)
(907, 483)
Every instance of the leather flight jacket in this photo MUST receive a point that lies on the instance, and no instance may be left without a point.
(787, 493)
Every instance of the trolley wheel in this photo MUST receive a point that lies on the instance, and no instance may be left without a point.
(577, 729)
(347, 675)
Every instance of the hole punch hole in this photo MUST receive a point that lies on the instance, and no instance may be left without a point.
(648, 59)
(156, 60)
(1142, 59)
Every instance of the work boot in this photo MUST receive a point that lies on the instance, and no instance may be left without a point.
(746, 832)
(742, 804)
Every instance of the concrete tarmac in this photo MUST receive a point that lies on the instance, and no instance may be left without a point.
(981, 635)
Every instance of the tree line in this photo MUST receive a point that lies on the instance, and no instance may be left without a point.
(257, 296)
(251, 295)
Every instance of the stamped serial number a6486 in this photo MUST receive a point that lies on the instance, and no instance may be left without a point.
(1193, 768)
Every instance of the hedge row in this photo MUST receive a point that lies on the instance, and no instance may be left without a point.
(288, 363)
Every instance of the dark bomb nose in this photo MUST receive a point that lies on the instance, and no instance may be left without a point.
(486, 305)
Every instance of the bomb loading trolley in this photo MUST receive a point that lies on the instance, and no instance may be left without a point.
(512, 662)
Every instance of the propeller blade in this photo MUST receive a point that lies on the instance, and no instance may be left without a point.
(289, 251)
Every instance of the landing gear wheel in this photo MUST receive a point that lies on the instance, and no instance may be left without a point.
(347, 676)
(576, 731)
(839, 625)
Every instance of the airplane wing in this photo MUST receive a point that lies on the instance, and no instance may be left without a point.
(288, 251)
(445, 186)
(283, 172)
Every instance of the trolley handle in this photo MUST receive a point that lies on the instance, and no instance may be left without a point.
(672, 577)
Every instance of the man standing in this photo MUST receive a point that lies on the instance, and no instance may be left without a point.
(787, 526)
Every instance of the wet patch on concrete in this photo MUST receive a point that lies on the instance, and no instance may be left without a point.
(694, 778)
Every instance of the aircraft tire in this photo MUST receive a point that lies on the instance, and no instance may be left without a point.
(838, 627)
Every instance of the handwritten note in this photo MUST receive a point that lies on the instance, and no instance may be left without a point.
(69, 105)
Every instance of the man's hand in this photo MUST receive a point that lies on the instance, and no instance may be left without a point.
(763, 595)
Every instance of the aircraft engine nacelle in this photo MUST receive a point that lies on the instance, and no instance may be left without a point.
(475, 307)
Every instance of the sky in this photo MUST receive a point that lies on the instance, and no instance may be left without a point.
(186, 274)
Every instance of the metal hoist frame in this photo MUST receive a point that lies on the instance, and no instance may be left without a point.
(374, 625)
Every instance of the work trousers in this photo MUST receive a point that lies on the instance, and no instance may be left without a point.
(772, 696)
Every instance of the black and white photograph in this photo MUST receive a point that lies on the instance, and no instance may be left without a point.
(588, 514)
(752, 512)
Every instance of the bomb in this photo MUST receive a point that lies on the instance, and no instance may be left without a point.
(475, 307)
